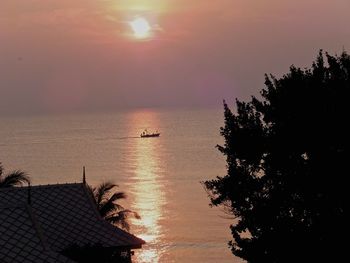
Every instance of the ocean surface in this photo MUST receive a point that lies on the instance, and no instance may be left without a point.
(161, 176)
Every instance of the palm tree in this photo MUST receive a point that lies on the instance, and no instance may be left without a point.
(107, 205)
(13, 178)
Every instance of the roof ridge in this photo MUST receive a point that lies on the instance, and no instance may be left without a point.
(91, 201)
(37, 228)
(124, 232)
(103, 221)
(58, 211)
(37, 186)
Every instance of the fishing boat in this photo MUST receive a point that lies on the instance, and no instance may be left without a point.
(146, 134)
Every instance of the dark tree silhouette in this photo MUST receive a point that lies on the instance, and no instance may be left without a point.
(106, 202)
(96, 253)
(13, 178)
(287, 166)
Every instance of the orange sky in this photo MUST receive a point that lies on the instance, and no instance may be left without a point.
(62, 55)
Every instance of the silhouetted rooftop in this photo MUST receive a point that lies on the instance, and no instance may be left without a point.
(63, 214)
(20, 238)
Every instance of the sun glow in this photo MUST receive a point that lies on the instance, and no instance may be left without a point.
(140, 27)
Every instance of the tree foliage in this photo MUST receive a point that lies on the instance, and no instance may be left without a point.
(97, 253)
(13, 178)
(107, 204)
(287, 166)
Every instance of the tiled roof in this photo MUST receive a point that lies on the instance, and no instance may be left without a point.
(67, 215)
(20, 239)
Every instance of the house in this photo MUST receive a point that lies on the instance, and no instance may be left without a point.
(52, 223)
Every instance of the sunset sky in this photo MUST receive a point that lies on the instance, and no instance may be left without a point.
(68, 55)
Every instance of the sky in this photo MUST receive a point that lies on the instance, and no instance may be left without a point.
(82, 55)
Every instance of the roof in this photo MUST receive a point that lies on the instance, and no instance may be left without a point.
(20, 239)
(67, 215)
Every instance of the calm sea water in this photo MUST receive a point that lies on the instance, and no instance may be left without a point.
(161, 176)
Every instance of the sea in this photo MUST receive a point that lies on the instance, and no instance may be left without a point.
(161, 176)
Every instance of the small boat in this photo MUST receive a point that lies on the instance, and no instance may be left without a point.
(146, 134)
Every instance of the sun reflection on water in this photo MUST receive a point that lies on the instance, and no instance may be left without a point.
(147, 188)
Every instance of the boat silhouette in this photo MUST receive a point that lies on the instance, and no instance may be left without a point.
(146, 134)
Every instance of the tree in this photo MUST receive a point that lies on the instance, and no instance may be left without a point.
(96, 253)
(13, 178)
(287, 166)
(107, 205)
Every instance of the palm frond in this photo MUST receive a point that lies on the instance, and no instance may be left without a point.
(107, 208)
(117, 196)
(136, 215)
(119, 219)
(91, 191)
(14, 178)
(128, 212)
(102, 191)
(109, 205)
(1, 170)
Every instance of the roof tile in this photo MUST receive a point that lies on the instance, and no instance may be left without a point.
(21, 243)
(67, 215)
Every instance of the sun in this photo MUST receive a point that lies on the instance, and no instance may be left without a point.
(140, 27)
